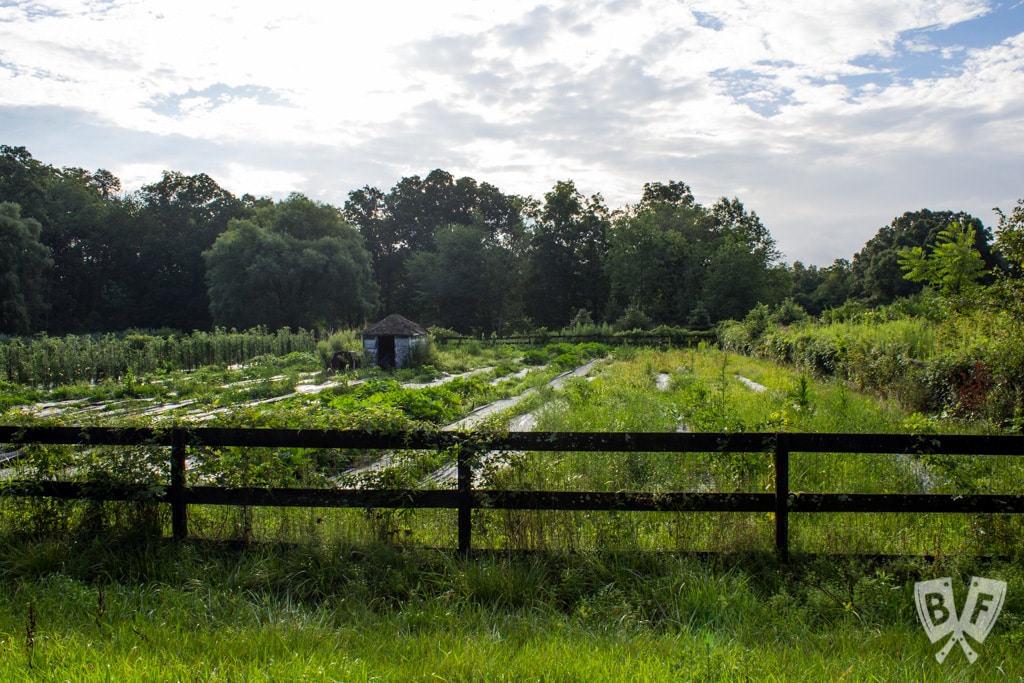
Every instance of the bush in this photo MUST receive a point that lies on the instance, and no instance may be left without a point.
(633, 318)
(338, 341)
(535, 357)
(733, 336)
(422, 353)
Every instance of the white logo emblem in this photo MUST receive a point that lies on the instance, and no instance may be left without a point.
(937, 612)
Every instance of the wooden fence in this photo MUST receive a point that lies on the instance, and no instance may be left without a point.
(640, 338)
(464, 498)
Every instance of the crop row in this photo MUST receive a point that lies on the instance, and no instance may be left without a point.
(52, 361)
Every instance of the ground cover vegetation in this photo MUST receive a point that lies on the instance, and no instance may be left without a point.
(95, 589)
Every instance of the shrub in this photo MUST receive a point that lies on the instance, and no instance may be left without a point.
(733, 336)
(422, 353)
(633, 318)
(338, 341)
(535, 357)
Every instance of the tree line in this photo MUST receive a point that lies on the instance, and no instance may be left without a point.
(78, 255)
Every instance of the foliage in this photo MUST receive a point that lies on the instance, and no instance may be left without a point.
(817, 290)
(1009, 288)
(24, 261)
(404, 221)
(342, 340)
(294, 264)
(633, 318)
(877, 274)
(953, 267)
(53, 361)
(460, 283)
(437, 405)
(423, 354)
(568, 247)
(679, 261)
(453, 251)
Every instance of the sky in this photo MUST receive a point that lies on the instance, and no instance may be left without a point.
(827, 119)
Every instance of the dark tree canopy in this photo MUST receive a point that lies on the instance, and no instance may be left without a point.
(819, 289)
(682, 263)
(877, 275)
(294, 264)
(567, 255)
(455, 282)
(187, 214)
(24, 261)
(404, 221)
(185, 253)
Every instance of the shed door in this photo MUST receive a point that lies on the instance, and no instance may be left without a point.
(386, 352)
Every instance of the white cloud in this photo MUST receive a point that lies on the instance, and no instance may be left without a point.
(800, 109)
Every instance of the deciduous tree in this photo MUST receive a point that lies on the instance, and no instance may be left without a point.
(953, 267)
(188, 213)
(24, 261)
(295, 264)
(567, 256)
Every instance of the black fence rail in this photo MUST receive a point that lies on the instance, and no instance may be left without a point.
(670, 338)
(465, 498)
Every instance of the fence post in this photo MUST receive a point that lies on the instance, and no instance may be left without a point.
(465, 489)
(782, 496)
(179, 511)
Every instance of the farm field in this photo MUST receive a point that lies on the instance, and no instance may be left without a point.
(97, 592)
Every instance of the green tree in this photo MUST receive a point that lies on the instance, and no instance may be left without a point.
(76, 219)
(23, 180)
(743, 271)
(84, 223)
(294, 264)
(681, 263)
(188, 212)
(673, 192)
(657, 260)
(24, 260)
(405, 220)
(1009, 285)
(819, 289)
(456, 282)
(953, 267)
(877, 274)
(568, 247)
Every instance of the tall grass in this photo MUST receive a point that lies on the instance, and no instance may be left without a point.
(704, 392)
(168, 612)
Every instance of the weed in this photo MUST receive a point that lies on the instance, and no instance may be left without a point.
(30, 635)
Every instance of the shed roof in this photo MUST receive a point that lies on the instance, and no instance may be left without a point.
(395, 326)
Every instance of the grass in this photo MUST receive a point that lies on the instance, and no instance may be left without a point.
(705, 393)
(157, 611)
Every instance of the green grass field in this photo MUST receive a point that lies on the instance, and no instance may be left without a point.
(208, 612)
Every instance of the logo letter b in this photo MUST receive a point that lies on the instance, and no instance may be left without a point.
(937, 610)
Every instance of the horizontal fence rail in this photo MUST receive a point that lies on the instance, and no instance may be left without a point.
(674, 338)
(464, 498)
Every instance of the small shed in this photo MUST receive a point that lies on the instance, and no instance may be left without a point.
(389, 343)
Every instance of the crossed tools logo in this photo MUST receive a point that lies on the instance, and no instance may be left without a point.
(937, 611)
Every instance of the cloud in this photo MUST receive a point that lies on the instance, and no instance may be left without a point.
(827, 120)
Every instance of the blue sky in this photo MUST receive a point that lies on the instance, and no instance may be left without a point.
(827, 119)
